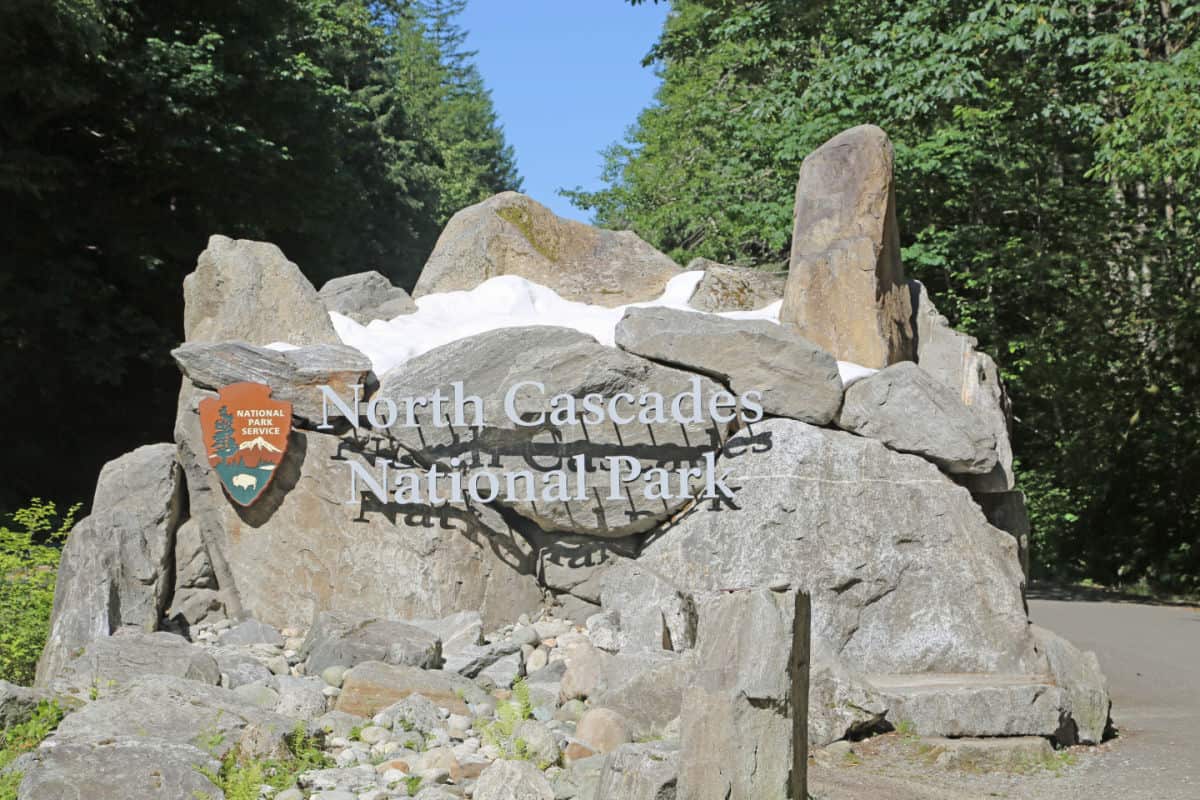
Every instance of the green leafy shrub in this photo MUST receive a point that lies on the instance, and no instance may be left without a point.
(242, 778)
(21, 739)
(509, 715)
(30, 547)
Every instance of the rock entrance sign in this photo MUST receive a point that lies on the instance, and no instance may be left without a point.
(246, 433)
(552, 444)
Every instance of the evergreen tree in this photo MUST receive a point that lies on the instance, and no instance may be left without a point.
(223, 442)
(130, 132)
(1046, 165)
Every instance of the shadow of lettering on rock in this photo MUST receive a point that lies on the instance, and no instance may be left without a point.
(545, 448)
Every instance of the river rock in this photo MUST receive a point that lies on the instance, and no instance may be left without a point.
(845, 288)
(726, 288)
(793, 376)
(295, 376)
(511, 234)
(904, 572)
(366, 296)
(116, 568)
(952, 358)
(345, 639)
(906, 409)
(303, 548)
(564, 362)
(248, 291)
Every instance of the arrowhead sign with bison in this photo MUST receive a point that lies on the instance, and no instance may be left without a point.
(246, 433)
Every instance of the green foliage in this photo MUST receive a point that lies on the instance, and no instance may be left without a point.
(509, 715)
(412, 785)
(243, 778)
(344, 131)
(22, 738)
(1046, 164)
(29, 554)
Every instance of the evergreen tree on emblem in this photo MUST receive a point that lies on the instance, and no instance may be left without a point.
(223, 443)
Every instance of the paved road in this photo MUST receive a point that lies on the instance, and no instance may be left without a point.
(1151, 655)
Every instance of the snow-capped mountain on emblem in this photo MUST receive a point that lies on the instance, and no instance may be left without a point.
(259, 443)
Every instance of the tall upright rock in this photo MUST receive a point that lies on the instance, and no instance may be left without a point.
(117, 565)
(845, 290)
(248, 291)
(743, 726)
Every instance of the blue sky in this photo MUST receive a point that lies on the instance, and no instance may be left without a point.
(566, 79)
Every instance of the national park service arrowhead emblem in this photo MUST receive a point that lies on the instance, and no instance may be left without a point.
(246, 435)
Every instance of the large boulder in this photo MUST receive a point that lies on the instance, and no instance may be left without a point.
(743, 727)
(563, 362)
(17, 703)
(794, 377)
(511, 234)
(107, 664)
(642, 771)
(906, 409)
(933, 704)
(576, 564)
(117, 566)
(726, 288)
(161, 708)
(513, 780)
(373, 686)
(951, 358)
(904, 572)
(1078, 672)
(248, 291)
(365, 296)
(295, 376)
(338, 638)
(842, 704)
(308, 546)
(645, 688)
(118, 769)
(845, 288)
(652, 613)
